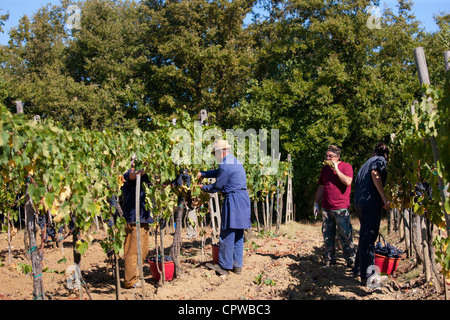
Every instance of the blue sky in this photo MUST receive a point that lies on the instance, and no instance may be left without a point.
(423, 9)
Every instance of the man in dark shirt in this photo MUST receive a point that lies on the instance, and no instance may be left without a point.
(129, 213)
(370, 200)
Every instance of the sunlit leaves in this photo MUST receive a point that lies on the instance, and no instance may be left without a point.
(72, 174)
(413, 162)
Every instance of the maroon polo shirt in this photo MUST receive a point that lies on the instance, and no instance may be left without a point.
(336, 195)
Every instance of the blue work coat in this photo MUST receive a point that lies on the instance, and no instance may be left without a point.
(232, 182)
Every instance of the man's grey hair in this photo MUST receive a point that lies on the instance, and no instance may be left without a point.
(334, 149)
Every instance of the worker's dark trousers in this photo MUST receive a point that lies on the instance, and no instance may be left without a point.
(231, 248)
(370, 217)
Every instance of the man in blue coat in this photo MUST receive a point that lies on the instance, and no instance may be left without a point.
(235, 216)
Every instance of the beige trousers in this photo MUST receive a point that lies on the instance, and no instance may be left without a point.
(130, 252)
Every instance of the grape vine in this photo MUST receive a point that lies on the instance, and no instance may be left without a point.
(415, 171)
(74, 177)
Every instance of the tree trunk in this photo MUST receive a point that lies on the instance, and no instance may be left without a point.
(255, 209)
(163, 258)
(115, 272)
(417, 237)
(410, 213)
(271, 212)
(26, 235)
(76, 254)
(138, 232)
(278, 206)
(434, 272)
(77, 261)
(425, 249)
(281, 207)
(116, 267)
(38, 285)
(407, 232)
(422, 70)
(390, 221)
(401, 222)
(264, 214)
(175, 249)
(9, 238)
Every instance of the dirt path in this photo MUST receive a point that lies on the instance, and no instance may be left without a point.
(276, 267)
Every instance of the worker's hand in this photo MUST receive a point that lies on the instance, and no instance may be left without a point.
(316, 210)
(199, 175)
(335, 166)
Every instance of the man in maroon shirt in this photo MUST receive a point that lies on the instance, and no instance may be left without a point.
(334, 194)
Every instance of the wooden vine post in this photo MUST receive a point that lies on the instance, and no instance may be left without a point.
(214, 210)
(422, 70)
(444, 190)
(278, 198)
(138, 233)
(289, 199)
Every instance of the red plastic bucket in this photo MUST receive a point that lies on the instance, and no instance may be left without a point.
(169, 268)
(386, 264)
(215, 253)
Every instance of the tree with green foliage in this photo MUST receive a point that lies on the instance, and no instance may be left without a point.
(201, 58)
(324, 77)
(435, 44)
(316, 70)
(3, 83)
(47, 74)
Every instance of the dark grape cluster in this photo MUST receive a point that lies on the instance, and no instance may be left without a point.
(42, 221)
(72, 224)
(110, 253)
(388, 250)
(110, 222)
(113, 204)
(51, 232)
(419, 190)
(113, 201)
(50, 228)
(183, 177)
(428, 190)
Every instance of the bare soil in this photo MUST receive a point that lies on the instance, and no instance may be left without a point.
(283, 265)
